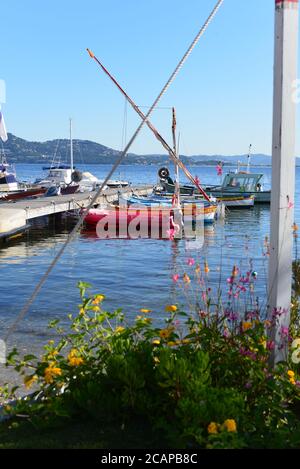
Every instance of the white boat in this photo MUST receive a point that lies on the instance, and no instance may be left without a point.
(8, 181)
(66, 179)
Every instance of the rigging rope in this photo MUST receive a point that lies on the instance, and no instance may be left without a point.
(73, 233)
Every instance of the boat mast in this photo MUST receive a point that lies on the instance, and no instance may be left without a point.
(71, 148)
(249, 158)
(175, 150)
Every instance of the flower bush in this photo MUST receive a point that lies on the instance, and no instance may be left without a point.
(202, 380)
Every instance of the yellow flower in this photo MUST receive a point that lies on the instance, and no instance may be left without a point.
(96, 309)
(292, 381)
(119, 329)
(171, 343)
(156, 342)
(82, 311)
(206, 268)
(186, 341)
(186, 278)
(147, 320)
(171, 308)
(212, 428)
(230, 425)
(30, 380)
(291, 374)
(98, 299)
(246, 325)
(52, 354)
(50, 372)
(74, 358)
(145, 311)
(165, 333)
(263, 342)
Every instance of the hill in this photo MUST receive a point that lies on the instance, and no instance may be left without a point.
(19, 150)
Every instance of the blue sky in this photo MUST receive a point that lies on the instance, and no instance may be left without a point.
(223, 95)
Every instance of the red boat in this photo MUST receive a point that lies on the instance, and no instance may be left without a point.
(22, 194)
(160, 222)
(132, 222)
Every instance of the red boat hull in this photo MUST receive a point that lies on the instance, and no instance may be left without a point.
(23, 194)
(133, 223)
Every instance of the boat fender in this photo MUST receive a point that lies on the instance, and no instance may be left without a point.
(164, 173)
(76, 176)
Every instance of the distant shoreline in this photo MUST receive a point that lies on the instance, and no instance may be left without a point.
(208, 165)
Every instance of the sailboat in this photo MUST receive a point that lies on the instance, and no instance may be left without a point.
(10, 188)
(61, 179)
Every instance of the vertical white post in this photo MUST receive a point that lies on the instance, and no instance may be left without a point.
(249, 158)
(283, 168)
(175, 149)
(71, 147)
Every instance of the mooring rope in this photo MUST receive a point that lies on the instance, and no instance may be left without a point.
(73, 233)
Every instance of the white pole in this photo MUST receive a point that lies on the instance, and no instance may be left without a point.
(249, 158)
(71, 148)
(283, 169)
(175, 149)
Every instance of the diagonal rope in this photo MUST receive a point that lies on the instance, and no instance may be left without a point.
(93, 201)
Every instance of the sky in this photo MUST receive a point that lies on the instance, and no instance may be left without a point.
(222, 95)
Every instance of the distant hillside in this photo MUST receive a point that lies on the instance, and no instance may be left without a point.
(19, 150)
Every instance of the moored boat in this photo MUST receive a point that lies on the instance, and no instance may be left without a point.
(237, 189)
(208, 209)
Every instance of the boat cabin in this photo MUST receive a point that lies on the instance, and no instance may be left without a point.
(8, 180)
(244, 182)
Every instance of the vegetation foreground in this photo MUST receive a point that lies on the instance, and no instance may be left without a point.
(201, 381)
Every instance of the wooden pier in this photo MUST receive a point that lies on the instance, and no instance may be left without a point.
(15, 216)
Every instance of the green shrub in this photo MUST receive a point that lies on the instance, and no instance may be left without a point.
(202, 380)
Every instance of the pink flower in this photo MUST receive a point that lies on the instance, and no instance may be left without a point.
(171, 234)
(284, 331)
(191, 261)
(175, 278)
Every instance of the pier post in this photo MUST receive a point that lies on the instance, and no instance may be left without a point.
(283, 171)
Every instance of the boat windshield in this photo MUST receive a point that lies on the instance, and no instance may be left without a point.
(243, 182)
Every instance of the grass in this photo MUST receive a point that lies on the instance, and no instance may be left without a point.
(77, 435)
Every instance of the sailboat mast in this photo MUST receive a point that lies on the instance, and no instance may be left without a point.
(71, 148)
(249, 158)
(175, 150)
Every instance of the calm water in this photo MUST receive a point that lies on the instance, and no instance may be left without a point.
(131, 273)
